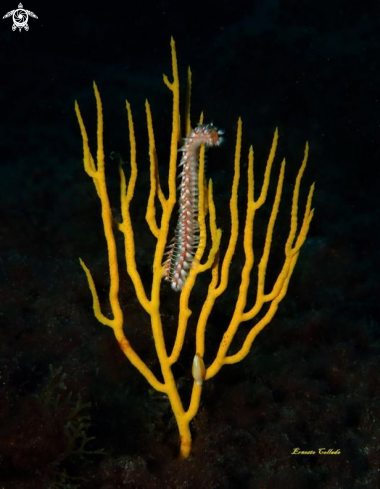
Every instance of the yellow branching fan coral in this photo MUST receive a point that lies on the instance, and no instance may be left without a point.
(199, 220)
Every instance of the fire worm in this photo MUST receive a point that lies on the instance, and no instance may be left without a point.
(186, 239)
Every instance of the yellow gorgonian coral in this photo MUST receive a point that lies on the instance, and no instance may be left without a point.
(206, 230)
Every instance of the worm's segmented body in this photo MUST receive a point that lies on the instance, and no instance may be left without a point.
(184, 246)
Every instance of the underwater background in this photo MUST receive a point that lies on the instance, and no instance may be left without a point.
(73, 411)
